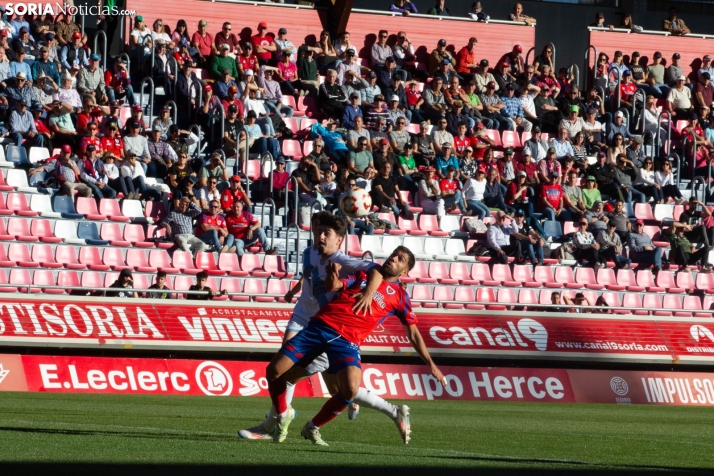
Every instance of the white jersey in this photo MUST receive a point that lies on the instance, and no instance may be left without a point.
(313, 286)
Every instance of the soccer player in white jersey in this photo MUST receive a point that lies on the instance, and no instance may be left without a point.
(328, 235)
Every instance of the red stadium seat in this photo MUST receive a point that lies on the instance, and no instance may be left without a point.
(88, 207)
(411, 227)
(17, 202)
(672, 301)
(524, 276)
(155, 232)
(666, 281)
(443, 294)
(252, 264)
(183, 260)
(44, 255)
(68, 279)
(544, 275)
(502, 273)
(633, 300)
(307, 147)
(134, 234)
(137, 259)
(229, 263)
(606, 277)
(654, 301)
(20, 253)
(114, 258)
(466, 295)
(253, 170)
(421, 274)
(275, 265)
(233, 286)
(646, 280)
(430, 224)
(278, 288)
(586, 278)
(155, 210)
(141, 281)
(507, 295)
(20, 229)
(112, 233)
(4, 235)
(289, 100)
(256, 289)
(354, 247)
(510, 139)
(685, 281)
(3, 207)
(528, 296)
(45, 277)
(67, 255)
(92, 279)
(705, 282)
(42, 229)
(4, 283)
(291, 148)
(461, 272)
(4, 260)
(4, 187)
(160, 260)
(207, 263)
(564, 275)
(487, 295)
(422, 293)
(18, 277)
(213, 284)
(482, 273)
(109, 207)
(440, 271)
(643, 211)
(292, 123)
(183, 283)
(494, 136)
(89, 256)
(626, 278)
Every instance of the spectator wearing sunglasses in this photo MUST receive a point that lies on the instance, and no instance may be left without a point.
(587, 247)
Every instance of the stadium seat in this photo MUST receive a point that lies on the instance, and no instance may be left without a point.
(430, 224)
(89, 256)
(67, 255)
(464, 297)
(183, 260)
(19, 277)
(233, 286)
(449, 224)
(92, 279)
(705, 282)
(643, 211)
(64, 205)
(411, 227)
(482, 273)
(419, 294)
(4, 283)
(435, 247)
(20, 254)
(511, 139)
(524, 276)
(89, 232)
(528, 296)
(42, 204)
(17, 202)
(633, 300)
(421, 273)
(275, 265)
(44, 255)
(613, 301)
(229, 263)
(45, 277)
(141, 281)
(88, 207)
(16, 155)
(664, 212)
(154, 232)
(291, 148)
(564, 275)
(206, 262)
(626, 278)
(507, 296)
(553, 229)
(461, 272)
(606, 277)
(67, 230)
(4, 187)
(17, 179)
(134, 234)
(353, 246)
(488, 295)
(443, 294)
(68, 279)
(4, 260)
(586, 278)
(544, 276)
(666, 281)
(569, 228)
(252, 264)
(415, 245)
(278, 288)
(694, 303)
(307, 147)
(374, 245)
(109, 207)
(289, 100)
(502, 273)
(494, 136)
(409, 198)
(654, 301)
(183, 283)
(113, 234)
(20, 229)
(137, 259)
(4, 235)
(115, 259)
(155, 212)
(42, 229)
(440, 271)
(292, 123)
(685, 281)
(39, 154)
(455, 248)
(671, 301)
(131, 210)
(256, 289)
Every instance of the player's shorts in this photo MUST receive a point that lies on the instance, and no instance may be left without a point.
(318, 338)
(296, 324)
(318, 365)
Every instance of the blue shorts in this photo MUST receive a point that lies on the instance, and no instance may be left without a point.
(317, 338)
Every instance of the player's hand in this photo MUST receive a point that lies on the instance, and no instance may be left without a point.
(288, 297)
(438, 375)
(363, 304)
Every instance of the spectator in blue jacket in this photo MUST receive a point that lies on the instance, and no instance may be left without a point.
(405, 7)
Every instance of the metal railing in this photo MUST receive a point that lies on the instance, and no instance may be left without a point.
(696, 180)
(693, 139)
(669, 132)
(283, 5)
(587, 65)
(125, 57)
(674, 155)
(174, 110)
(573, 68)
(176, 73)
(619, 81)
(297, 247)
(263, 160)
(287, 199)
(638, 93)
(223, 129)
(368, 253)
(151, 95)
(312, 212)
(432, 17)
(272, 219)
(197, 129)
(104, 44)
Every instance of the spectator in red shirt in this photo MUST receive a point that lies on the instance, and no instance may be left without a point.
(232, 100)
(528, 166)
(627, 89)
(461, 141)
(247, 60)
(203, 42)
(182, 54)
(551, 198)
(112, 141)
(118, 83)
(91, 139)
(280, 178)
(212, 229)
(234, 194)
(466, 58)
(451, 192)
(225, 37)
(41, 125)
(480, 142)
(246, 230)
(263, 44)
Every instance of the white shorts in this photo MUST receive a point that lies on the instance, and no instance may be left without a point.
(296, 324)
(320, 364)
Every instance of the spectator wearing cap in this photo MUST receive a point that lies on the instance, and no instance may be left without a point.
(587, 247)
(673, 71)
(674, 25)
(65, 30)
(446, 159)
(64, 170)
(60, 123)
(135, 142)
(41, 124)
(25, 42)
(234, 193)
(283, 44)
(94, 174)
(221, 62)
(74, 53)
(280, 179)
(112, 141)
(637, 70)
(515, 61)
(211, 229)
(52, 46)
(204, 44)
(162, 155)
(91, 80)
(627, 89)
(549, 165)
(437, 56)
(642, 250)
(179, 225)
(22, 126)
(635, 152)
(383, 154)
(655, 76)
(163, 70)
(679, 100)
(163, 121)
(332, 96)
(182, 55)
(466, 62)
(512, 110)
(380, 50)
(573, 123)
(387, 71)
(375, 112)
(618, 126)
(433, 101)
(352, 112)
(445, 72)
(370, 91)
(234, 135)
(492, 108)
(272, 93)
(594, 131)
(43, 64)
(361, 158)
(233, 99)
(247, 60)
(19, 91)
(287, 74)
(552, 204)
(226, 37)
(263, 137)
(141, 38)
(351, 63)
(124, 281)
(263, 44)
(405, 7)
(483, 77)
(703, 90)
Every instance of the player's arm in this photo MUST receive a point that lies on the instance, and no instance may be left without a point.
(418, 343)
(333, 283)
(296, 289)
(363, 299)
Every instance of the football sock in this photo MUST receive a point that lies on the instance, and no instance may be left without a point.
(269, 422)
(330, 410)
(369, 399)
(289, 392)
(277, 389)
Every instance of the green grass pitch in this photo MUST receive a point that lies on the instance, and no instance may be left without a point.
(132, 435)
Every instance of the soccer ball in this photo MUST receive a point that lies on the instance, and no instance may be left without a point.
(356, 203)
